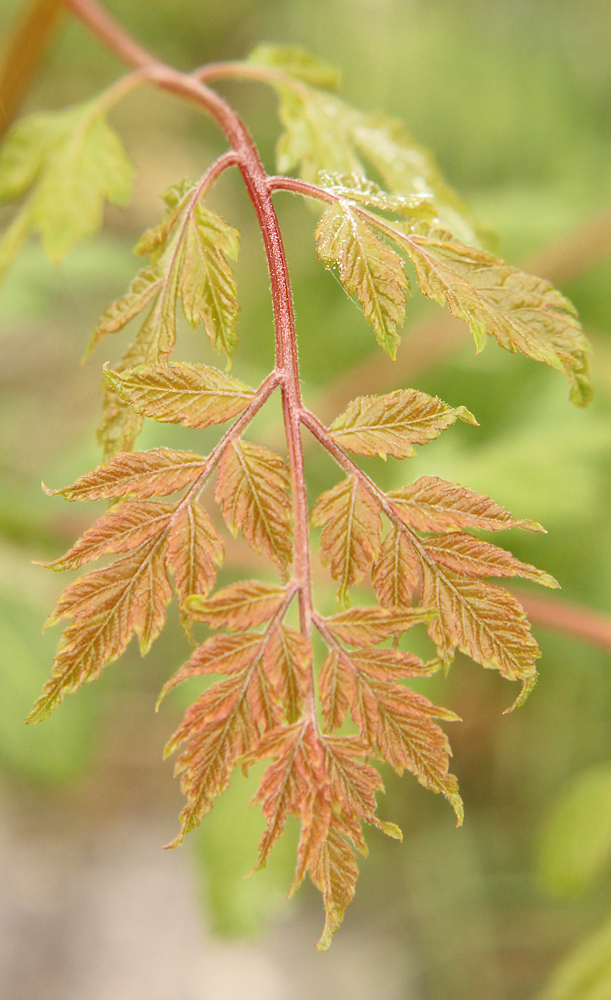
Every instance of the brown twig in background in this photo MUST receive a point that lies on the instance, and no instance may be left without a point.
(552, 612)
(24, 55)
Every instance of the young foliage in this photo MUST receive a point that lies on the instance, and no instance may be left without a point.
(66, 165)
(414, 545)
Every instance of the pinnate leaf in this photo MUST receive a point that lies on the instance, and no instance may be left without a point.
(181, 393)
(142, 475)
(368, 269)
(432, 504)
(394, 423)
(350, 538)
(252, 491)
(240, 606)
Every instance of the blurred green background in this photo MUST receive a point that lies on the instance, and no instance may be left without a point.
(514, 98)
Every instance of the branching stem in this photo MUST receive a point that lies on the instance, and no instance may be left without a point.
(246, 157)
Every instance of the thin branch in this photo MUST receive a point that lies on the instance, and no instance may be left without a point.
(24, 55)
(552, 612)
(255, 179)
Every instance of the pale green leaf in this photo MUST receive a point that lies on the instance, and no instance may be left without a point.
(368, 269)
(207, 286)
(183, 393)
(524, 313)
(393, 424)
(317, 134)
(576, 840)
(80, 174)
(69, 163)
(406, 167)
(298, 63)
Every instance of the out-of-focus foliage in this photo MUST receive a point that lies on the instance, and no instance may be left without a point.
(515, 100)
(576, 840)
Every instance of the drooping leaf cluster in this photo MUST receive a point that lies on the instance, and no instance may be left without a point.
(416, 546)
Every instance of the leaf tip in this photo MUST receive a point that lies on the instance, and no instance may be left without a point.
(528, 685)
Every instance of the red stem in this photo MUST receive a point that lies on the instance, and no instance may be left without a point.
(256, 181)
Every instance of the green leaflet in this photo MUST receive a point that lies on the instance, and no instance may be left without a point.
(69, 163)
(298, 63)
(368, 269)
(323, 133)
(576, 841)
(586, 973)
(524, 313)
(190, 250)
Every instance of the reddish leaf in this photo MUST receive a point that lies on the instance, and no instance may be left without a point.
(396, 573)
(142, 475)
(252, 491)
(465, 554)
(239, 606)
(181, 393)
(124, 527)
(368, 626)
(393, 424)
(350, 538)
(194, 547)
(482, 620)
(108, 606)
(431, 504)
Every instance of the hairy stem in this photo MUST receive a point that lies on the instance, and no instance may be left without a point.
(256, 181)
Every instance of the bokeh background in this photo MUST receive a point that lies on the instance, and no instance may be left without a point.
(515, 100)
